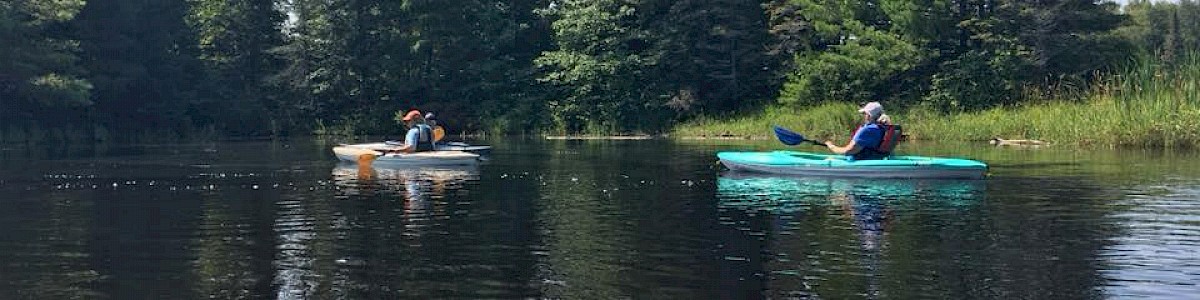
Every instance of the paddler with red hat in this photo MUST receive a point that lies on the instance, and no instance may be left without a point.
(419, 137)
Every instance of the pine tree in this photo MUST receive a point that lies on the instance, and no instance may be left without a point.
(715, 53)
(142, 58)
(850, 54)
(39, 77)
(235, 39)
(600, 64)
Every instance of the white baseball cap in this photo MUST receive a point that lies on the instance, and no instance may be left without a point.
(872, 108)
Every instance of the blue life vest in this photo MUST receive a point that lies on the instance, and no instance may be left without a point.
(882, 150)
(424, 138)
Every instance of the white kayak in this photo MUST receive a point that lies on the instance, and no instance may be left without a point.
(351, 153)
(453, 146)
(450, 146)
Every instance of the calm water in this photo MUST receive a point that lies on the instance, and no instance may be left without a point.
(588, 220)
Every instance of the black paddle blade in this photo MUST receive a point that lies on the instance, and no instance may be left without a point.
(787, 137)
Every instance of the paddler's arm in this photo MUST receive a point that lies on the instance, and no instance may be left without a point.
(849, 149)
(404, 149)
(410, 144)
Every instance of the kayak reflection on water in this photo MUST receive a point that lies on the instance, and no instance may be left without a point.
(417, 186)
(351, 176)
(785, 194)
(803, 231)
(869, 203)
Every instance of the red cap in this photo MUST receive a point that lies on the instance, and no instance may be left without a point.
(411, 115)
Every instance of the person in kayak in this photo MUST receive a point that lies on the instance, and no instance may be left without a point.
(872, 140)
(438, 131)
(419, 137)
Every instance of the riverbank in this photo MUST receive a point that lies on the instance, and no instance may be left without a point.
(1146, 106)
(1103, 122)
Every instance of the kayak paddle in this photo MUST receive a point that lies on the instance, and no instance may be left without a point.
(787, 137)
(438, 133)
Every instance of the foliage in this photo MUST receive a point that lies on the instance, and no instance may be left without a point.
(844, 53)
(467, 61)
(1150, 103)
(600, 65)
(952, 55)
(858, 69)
(1163, 29)
(713, 57)
(38, 63)
(141, 57)
(259, 68)
(234, 40)
(824, 121)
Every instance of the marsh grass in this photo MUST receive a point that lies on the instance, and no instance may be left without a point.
(1149, 104)
(825, 121)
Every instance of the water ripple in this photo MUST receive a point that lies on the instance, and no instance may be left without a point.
(1156, 255)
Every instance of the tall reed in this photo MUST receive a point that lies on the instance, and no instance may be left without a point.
(1149, 103)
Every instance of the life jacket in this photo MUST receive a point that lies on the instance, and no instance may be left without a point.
(424, 138)
(891, 137)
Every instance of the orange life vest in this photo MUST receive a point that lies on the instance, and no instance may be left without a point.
(891, 137)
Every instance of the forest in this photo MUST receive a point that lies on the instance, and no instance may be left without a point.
(128, 69)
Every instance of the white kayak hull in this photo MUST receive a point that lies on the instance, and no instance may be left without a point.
(451, 146)
(481, 150)
(351, 153)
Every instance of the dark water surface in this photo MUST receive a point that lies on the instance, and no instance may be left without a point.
(588, 220)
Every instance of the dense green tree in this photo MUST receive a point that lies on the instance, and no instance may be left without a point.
(39, 73)
(952, 54)
(470, 58)
(245, 67)
(514, 100)
(602, 59)
(143, 60)
(848, 53)
(361, 61)
(1036, 46)
(1163, 29)
(975, 57)
(715, 56)
(235, 39)
(308, 62)
(1057, 30)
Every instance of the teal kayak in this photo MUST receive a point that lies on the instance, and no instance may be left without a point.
(812, 164)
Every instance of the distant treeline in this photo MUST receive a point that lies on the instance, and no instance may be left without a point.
(115, 68)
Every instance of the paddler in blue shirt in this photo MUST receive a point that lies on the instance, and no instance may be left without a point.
(419, 137)
(867, 139)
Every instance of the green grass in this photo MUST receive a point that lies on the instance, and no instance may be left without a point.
(830, 120)
(1148, 105)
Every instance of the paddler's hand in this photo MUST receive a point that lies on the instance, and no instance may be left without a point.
(831, 146)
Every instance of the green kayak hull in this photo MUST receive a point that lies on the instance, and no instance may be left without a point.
(812, 164)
